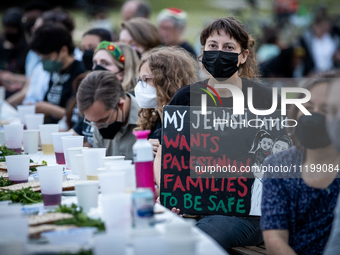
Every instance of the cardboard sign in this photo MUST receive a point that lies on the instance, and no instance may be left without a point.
(211, 164)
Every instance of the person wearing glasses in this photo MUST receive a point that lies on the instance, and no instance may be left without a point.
(161, 73)
(119, 59)
(111, 111)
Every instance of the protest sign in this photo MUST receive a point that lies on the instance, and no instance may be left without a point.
(212, 163)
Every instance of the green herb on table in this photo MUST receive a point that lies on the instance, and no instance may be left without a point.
(33, 169)
(4, 183)
(79, 219)
(24, 196)
(4, 151)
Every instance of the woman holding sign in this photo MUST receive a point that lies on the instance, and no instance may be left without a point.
(228, 57)
(161, 73)
(297, 207)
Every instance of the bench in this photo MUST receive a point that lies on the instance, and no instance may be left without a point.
(249, 250)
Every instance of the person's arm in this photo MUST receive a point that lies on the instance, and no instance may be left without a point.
(50, 109)
(155, 145)
(333, 244)
(276, 241)
(157, 166)
(18, 97)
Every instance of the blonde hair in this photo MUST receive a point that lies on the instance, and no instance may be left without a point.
(143, 32)
(172, 68)
(129, 67)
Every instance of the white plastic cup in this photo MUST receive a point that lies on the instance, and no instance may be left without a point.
(31, 140)
(130, 175)
(72, 152)
(116, 212)
(87, 195)
(58, 146)
(14, 136)
(23, 110)
(112, 182)
(18, 167)
(80, 166)
(2, 137)
(117, 163)
(13, 229)
(71, 142)
(34, 120)
(151, 244)
(113, 243)
(11, 246)
(113, 159)
(51, 183)
(93, 159)
(46, 131)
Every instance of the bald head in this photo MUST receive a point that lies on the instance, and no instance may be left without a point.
(134, 8)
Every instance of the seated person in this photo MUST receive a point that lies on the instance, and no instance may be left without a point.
(54, 44)
(333, 125)
(112, 112)
(297, 207)
(119, 59)
(156, 87)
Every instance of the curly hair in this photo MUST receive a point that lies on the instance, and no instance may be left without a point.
(172, 68)
(249, 69)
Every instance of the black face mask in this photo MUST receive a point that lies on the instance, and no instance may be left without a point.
(139, 54)
(87, 59)
(99, 68)
(110, 131)
(311, 131)
(220, 64)
(12, 37)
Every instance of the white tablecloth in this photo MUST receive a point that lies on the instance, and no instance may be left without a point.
(205, 244)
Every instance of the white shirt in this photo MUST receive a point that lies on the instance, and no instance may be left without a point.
(323, 50)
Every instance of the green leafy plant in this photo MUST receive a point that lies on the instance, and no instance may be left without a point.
(79, 219)
(33, 169)
(4, 151)
(24, 196)
(4, 183)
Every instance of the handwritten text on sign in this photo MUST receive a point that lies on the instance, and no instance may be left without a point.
(206, 167)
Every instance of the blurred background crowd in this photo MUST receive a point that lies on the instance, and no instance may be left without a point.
(294, 38)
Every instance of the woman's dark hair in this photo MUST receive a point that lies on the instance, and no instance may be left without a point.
(103, 34)
(50, 38)
(13, 18)
(58, 15)
(235, 29)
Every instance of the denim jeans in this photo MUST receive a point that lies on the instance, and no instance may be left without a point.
(232, 231)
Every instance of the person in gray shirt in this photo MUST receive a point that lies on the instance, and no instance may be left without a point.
(110, 110)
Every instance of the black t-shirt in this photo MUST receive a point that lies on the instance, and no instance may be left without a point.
(262, 95)
(81, 128)
(188, 48)
(60, 86)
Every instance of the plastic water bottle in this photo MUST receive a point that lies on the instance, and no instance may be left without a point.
(143, 159)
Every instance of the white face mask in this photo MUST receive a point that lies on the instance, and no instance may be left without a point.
(145, 95)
